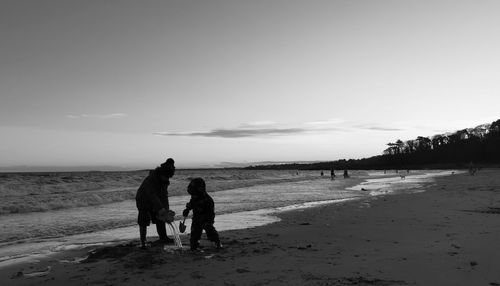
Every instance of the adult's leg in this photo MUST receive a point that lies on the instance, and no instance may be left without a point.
(142, 232)
(143, 220)
(162, 231)
(161, 228)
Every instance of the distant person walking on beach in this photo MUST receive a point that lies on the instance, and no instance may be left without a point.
(203, 208)
(472, 169)
(332, 174)
(152, 202)
(346, 174)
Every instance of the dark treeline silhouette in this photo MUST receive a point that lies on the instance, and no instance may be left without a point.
(479, 145)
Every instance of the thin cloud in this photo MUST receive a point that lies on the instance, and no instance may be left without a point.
(337, 124)
(98, 116)
(269, 128)
(380, 128)
(328, 122)
(328, 125)
(237, 132)
(259, 124)
(249, 129)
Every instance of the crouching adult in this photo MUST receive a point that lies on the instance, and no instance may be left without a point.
(152, 202)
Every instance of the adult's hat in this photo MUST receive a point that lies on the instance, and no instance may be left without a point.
(167, 168)
(169, 162)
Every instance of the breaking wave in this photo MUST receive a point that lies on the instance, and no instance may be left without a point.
(39, 192)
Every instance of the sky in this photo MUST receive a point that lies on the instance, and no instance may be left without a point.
(131, 83)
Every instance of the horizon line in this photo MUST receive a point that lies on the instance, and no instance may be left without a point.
(117, 168)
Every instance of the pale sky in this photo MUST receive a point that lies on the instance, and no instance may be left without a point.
(130, 83)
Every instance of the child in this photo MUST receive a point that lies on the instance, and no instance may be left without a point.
(203, 214)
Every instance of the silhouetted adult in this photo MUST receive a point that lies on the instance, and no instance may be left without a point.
(152, 201)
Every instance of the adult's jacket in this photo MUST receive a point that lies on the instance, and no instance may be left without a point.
(153, 193)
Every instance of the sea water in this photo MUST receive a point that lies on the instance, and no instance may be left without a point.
(176, 234)
(45, 212)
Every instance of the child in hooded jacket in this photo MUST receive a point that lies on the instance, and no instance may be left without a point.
(203, 214)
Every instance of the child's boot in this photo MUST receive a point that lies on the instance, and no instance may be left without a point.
(218, 245)
(195, 246)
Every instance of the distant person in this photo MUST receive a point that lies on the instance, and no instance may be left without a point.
(472, 169)
(346, 174)
(203, 208)
(152, 202)
(332, 174)
(322, 173)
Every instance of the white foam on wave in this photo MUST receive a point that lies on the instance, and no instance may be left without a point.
(409, 183)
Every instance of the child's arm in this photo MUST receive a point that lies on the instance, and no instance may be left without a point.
(189, 206)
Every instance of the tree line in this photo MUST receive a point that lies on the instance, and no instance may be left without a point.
(479, 145)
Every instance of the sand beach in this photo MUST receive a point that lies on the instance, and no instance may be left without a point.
(446, 235)
(339, 141)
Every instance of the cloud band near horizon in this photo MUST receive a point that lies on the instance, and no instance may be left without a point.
(237, 133)
(245, 131)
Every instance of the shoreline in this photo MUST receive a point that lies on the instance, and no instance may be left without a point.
(447, 235)
(225, 222)
(16, 253)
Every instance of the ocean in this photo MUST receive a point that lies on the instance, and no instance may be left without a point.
(42, 213)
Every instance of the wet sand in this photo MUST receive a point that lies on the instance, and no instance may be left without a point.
(448, 235)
